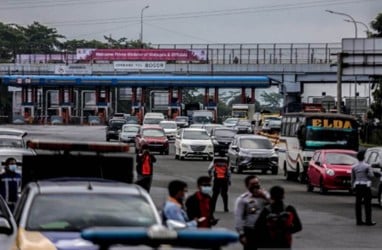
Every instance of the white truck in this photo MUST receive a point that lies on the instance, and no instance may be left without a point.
(202, 116)
(244, 111)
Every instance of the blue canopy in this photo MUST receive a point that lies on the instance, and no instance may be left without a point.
(148, 80)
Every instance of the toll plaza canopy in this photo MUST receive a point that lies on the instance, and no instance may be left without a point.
(135, 80)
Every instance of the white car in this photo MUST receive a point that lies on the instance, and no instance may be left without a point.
(170, 128)
(193, 142)
(8, 227)
(13, 146)
(129, 132)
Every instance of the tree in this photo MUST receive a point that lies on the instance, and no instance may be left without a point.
(41, 39)
(71, 45)
(12, 40)
(376, 25)
(272, 101)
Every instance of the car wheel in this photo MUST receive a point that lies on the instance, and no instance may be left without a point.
(107, 139)
(182, 158)
(309, 186)
(323, 190)
(275, 170)
(166, 152)
(379, 197)
(288, 175)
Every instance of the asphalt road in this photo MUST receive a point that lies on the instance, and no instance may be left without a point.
(328, 220)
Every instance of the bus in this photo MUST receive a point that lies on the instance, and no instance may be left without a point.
(303, 133)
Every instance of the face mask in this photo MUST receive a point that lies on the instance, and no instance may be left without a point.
(206, 190)
(13, 167)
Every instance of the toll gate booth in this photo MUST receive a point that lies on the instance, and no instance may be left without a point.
(66, 104)
(29, 103)
(174, 104)
(102, 103)
(211, 103)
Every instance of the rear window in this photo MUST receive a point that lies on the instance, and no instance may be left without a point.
(74, 212)
(341, 159)
(116, 124)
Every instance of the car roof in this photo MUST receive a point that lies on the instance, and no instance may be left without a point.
(15, 137)
(374, 148)
(83, 185)
(167, 122)
(12, 131)
(239, 136)
(338, 151)
(153, 126)
(194, 129)
(131, 125)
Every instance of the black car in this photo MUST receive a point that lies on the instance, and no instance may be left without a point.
(221, 138)
(113, 128)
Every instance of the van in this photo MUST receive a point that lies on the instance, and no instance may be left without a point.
(202, 117)
(153, 118)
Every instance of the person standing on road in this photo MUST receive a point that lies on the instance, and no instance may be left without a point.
(277, 222)
(145, 163)
(198, 205)
(10, 182)
(221, 175)
(173, 208)
(361, 176)
(247, 209)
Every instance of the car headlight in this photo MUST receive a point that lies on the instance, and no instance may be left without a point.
(215, 142)
(330, 172)
(185, 146)
(210, 146)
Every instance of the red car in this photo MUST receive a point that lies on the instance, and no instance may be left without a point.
(152, 137)
(330, 169)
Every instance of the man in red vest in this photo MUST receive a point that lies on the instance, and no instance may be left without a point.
(198, 205)
(221, 175)
(145, 162)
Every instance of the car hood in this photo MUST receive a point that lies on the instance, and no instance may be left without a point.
(155, 139)
(196, 142)
(342, 168)
(49, 240)
(257, 152)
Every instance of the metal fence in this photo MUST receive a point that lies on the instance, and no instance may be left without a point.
(256, 53)
(264, 53)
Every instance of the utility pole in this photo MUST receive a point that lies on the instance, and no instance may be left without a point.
(339, 81)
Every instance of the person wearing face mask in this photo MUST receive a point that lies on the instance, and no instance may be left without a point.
(198, 205)
(173, 208)
(10, 182)
(247, 210)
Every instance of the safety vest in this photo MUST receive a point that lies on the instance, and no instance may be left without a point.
(221, 169)
(146, 165)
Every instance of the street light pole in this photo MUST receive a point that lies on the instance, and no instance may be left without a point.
(347, 15)
(141, 34)
(367, 28)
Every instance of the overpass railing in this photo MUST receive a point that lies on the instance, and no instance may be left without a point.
(256, 53)
(264, 53)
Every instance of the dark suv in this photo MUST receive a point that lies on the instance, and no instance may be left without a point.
(113, 128)
(221, 138)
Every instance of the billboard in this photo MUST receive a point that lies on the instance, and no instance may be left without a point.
(142, 54)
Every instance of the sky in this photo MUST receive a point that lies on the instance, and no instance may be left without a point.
(197, 21)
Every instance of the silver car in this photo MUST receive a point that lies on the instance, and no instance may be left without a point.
(252, 152)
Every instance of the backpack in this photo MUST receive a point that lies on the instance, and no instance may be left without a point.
(279, 227)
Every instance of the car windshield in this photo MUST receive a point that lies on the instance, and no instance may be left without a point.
(195, 135)
(11, 143)
(341, 159)
(181, 119)
(244, 123)
(117, 124)
(131, 129)
(168, 125)
(152, 120)
(225, 133)
(231, 121)
(202, 119)
(255, 143)
(153, 133)
(69, 212)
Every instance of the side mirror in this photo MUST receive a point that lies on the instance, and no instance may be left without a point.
(276, 149)
(317, 163)
(235, 147)
(5, 226)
